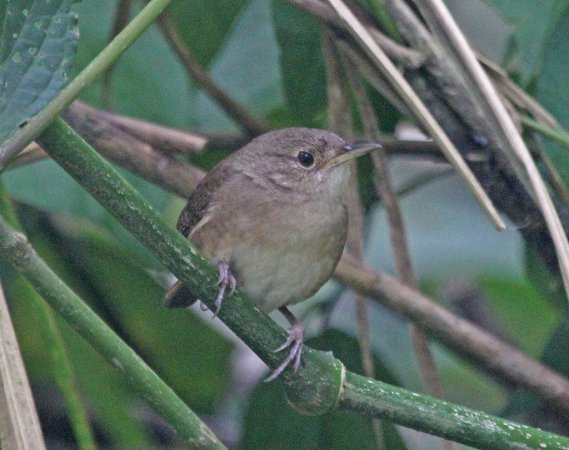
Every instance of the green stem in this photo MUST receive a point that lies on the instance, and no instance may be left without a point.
(558, 136)
(66, 380)
(61, 365)
(15, 249)
(378, 9)
(97, 67)
(444, 419)
(321, 384)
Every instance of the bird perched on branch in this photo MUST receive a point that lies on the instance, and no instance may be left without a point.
(272, 217)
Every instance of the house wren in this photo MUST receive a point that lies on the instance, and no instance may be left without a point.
(272, 216)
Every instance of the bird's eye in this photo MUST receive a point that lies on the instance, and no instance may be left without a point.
(305, 158)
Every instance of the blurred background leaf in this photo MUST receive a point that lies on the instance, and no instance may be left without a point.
(267, 56)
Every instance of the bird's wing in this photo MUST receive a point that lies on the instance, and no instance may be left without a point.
(199, 202)
(195, 213)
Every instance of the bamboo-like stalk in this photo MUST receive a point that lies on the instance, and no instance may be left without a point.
(15, 249)
(322, 384)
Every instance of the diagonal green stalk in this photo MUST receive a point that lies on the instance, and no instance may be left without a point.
(321, 384)
(15, 249)
(102, 62)
(61, 365)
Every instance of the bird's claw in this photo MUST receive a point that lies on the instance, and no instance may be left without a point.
(294, 341)
(225, 279)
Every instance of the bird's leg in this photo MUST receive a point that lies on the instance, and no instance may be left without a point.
(294, 341)
(225, 279)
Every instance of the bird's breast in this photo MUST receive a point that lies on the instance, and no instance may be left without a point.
(288, 256)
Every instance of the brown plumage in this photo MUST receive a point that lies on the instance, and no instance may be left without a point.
(272, 216)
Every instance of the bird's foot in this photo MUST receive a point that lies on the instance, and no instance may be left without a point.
(294, 342)
(225, 279)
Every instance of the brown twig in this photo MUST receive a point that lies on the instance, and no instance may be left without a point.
(398, 235)
(133, 154)
(165, 139)
(406, 56)
(340, 117)
(243, 117)
(460, 335)
(31, 154)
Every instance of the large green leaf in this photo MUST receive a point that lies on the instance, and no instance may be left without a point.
(516, 304)
(301, 63)
(556, 356)
(47, 187)
(246, 67)
(206, 26)
(533, 24)
(37, 48)
(552, 87)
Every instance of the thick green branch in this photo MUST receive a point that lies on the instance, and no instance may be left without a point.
(316, 389)
(444, 419)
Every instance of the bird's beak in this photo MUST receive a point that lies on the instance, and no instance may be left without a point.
(351, 151)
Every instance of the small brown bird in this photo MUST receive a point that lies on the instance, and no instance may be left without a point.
(272, 216)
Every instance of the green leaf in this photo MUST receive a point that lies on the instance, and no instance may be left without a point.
(271, 423)
(556, 356)
(533, 23)
(547, 283)
(37, 49)
(61, 194)
(517, 304)
(552, 87)
(246, 67)
(301, 62)
(206, 26)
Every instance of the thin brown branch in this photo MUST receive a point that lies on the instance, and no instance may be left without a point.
(374, 77)
(398, 235)
(490, 353)
(515, 94)
(243, 117)
(340, 117)
(31, 154)
(132, 154)
(555, 179)
(165, 139)
(406, 56)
